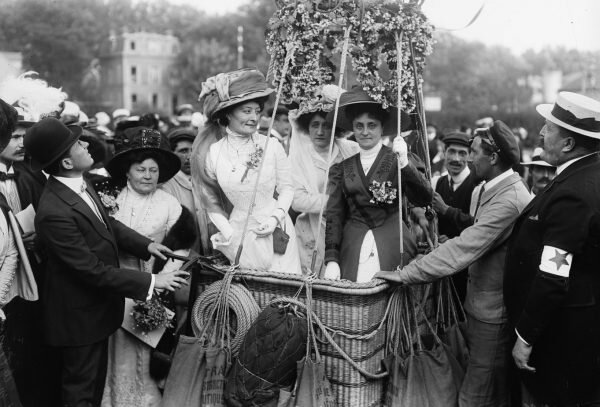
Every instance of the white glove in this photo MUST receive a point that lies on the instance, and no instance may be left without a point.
(401, 149)
(222, 224)
(219, 240)
(332, 271)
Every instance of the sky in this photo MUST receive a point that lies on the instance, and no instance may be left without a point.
(516, 24)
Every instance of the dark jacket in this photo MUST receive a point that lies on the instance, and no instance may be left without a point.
(84, 290)
(560, 316)
(351, 214)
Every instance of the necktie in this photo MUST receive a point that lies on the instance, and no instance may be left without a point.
(479, 200)
(4, 176)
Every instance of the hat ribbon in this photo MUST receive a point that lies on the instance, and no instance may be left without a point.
(220, 83)
(588, 123)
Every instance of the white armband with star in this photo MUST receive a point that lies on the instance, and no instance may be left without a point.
(556, 261)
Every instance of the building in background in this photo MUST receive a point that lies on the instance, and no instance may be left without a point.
(136, 72)
(11, 64)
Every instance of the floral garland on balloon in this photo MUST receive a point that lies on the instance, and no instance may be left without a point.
(315, 35)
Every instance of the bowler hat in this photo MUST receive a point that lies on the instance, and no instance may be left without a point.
(228, 89)
(138, 139)
(48, 140)
(505, 141)
(457, 137)
(357, 97)
(575, 112)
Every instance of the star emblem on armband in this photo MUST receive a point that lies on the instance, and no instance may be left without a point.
(559, 259)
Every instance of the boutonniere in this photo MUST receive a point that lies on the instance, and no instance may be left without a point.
(253, 160)
(383, 192)
(108, 197)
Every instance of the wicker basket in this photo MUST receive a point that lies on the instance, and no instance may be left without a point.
(354, 309)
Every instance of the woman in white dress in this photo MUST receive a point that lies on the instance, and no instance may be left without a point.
(143, 162)
(309, 150)
(234, 101)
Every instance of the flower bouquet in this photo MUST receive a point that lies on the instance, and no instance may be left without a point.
(147, 320)
(108, 193)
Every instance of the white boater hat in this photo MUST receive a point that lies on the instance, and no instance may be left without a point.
(575, 112)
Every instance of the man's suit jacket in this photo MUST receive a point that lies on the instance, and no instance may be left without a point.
(84, 290)
(481, 247)
(560, 316)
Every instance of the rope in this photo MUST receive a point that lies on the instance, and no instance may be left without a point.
(399, 131)
(331, 141)
(288, 58)
(331, 341)
(211, 313)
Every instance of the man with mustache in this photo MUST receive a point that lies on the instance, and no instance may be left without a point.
(552, 279)
(540, 172)
(452, 197)
(31, 360)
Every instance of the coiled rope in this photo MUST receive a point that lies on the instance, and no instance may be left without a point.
(212, 309)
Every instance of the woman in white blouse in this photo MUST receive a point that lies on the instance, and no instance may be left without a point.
(234, 101)
(309, 151)
(143, 162)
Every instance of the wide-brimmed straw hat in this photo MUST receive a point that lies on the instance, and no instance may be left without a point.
(575, 112)
(138, 139)
(358, 96)
(536, 159)
(228, 89)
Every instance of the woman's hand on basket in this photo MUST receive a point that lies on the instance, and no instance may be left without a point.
(332, 271)
(266, 228)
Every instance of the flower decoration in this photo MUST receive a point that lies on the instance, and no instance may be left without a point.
(253, 160)
(382, 192)
(150, 315)
(316, 35)
(108, 193)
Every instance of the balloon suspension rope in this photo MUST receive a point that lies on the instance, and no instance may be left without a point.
(335, 117)
(399, 134)
(286, 64)
(423, 124)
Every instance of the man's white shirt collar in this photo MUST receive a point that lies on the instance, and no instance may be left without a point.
(459, 179)
(73, 184)
(493, 182)
(563, 166)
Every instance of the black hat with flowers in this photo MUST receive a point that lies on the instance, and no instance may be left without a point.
(358, 100)
(139, 139)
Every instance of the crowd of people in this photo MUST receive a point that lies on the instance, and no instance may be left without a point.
(91, 209)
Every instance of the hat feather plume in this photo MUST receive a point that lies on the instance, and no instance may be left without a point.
(33, 98)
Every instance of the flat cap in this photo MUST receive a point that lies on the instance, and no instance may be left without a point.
(457, 137)
(506, 141)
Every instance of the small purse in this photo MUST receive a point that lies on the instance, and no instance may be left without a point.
(280, 239)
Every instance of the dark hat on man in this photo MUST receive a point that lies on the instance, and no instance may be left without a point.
(505, 141)
(462, 139)
(356, 97)
(48, 140)
(227, 89)
(139, 139)
(575, 112)
(8, 120)
(181, 133)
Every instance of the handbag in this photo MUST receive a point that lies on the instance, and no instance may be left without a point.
(280, 239)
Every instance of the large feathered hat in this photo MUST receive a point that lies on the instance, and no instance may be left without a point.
(32, 97)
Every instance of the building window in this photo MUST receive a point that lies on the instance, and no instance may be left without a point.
(133, 98)
(154, 73)
(154, 100)
(133, 74)
(132, 45)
